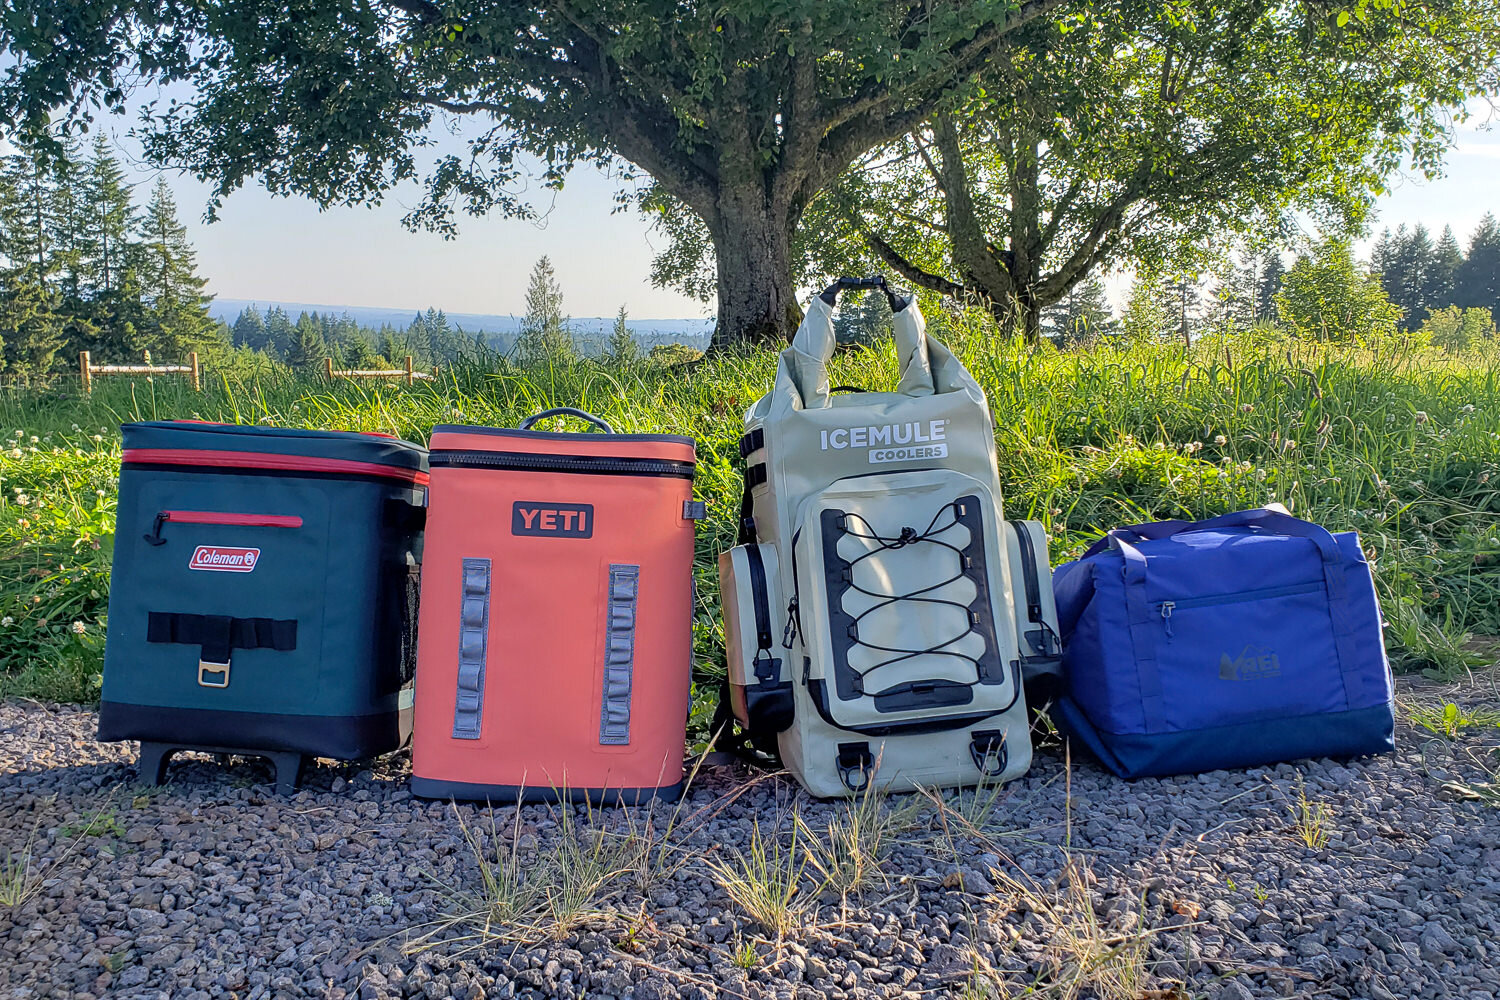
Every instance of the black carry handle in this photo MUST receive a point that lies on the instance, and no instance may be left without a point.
(831, 293)
(568, 411)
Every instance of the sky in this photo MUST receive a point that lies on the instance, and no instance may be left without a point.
(285, 250)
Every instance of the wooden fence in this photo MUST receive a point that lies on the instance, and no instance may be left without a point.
(404, 372)
(88, 371)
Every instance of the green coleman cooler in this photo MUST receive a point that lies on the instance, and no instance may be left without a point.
(263, 594)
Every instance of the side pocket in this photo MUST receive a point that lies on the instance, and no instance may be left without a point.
(1036, 610)
(760, 686)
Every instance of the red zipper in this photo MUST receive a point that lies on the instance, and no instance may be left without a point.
(244, 520)
(260, 460)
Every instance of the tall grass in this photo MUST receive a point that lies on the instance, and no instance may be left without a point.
(1403, 447)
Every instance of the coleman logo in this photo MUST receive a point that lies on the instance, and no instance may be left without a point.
(224, 559)
(892, 442)
(556, 520)
(1253, 664)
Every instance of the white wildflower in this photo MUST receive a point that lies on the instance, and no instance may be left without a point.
(14, 453)
(79, 628)
(1220, 440)
(1421, 416)
(23, 499)
(7, 621)
(34, 439)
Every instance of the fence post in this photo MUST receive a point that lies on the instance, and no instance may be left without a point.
(408, 370)
(84, 374)
(328, 368)
(193, 363)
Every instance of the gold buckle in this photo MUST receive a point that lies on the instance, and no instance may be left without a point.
(206, 667)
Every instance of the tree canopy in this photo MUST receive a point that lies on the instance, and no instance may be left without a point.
(1127, 134)
(743, 111)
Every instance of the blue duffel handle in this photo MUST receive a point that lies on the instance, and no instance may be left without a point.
(1143, 621)
(568, 411)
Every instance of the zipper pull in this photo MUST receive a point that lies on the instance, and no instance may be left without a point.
(1166, 615)
(791, 624)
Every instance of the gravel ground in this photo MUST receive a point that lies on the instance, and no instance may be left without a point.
(213, 886)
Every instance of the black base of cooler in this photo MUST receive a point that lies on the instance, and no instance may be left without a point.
(433, 788)
(285, 740)
(152, 767)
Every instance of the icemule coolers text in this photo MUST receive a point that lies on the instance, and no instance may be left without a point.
(263, 593)
(556, 627)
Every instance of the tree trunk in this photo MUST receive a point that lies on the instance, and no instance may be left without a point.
(752, 244)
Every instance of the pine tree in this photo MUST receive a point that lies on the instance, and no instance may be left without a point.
(1146, 316)
(178, 308)
(1442, 274)
(1081, 316)
(308, 348)
(111, 218)
(1182, 301)
(31, 326)
(862, 319)
(544, 335)
(279, 332)
(622, 348)
(1271, 277)
(1478, 282)
(250, 330)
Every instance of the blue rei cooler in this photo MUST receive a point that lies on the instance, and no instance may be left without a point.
(1247, 639)
(263, 593)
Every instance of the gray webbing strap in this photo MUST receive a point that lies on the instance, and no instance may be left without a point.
(619, 654)
(473, 628)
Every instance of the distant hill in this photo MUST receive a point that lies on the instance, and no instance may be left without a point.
(500, 330)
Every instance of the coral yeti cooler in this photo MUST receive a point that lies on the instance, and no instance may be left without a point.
(263, 593)
(556, 628)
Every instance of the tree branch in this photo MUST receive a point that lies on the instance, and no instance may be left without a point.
(908, 270)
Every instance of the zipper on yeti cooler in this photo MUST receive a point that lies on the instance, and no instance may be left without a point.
(592, 465)
(1167, 607)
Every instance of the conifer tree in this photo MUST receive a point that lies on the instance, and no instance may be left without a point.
(622, 347)
(1270, 283)
(308, 348)
(1442, 273)
(178, 307)
(1478, 283)
(30, 324)
(544, 335)
(1082, 315)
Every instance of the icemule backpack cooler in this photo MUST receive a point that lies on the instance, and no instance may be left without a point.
(1246, 639)
(555, 646)
(263, 593)
(870, 625)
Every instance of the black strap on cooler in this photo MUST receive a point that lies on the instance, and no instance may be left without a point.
(217, 635)
(1041, 649)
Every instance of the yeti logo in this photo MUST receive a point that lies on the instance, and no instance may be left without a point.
(1254, 663)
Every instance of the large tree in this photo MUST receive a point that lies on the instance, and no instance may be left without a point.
(1135, 132)
(742, 110)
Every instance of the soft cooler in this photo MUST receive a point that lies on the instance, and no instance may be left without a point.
(870, 610)
(1246, 639)
(556, 628)
(263, 594)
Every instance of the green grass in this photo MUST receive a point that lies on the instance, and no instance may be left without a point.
(1404, 448)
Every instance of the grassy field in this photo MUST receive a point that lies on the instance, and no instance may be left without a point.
(1404, 447)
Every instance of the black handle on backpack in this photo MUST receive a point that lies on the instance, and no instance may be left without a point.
(567, 411)
(830, 294)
